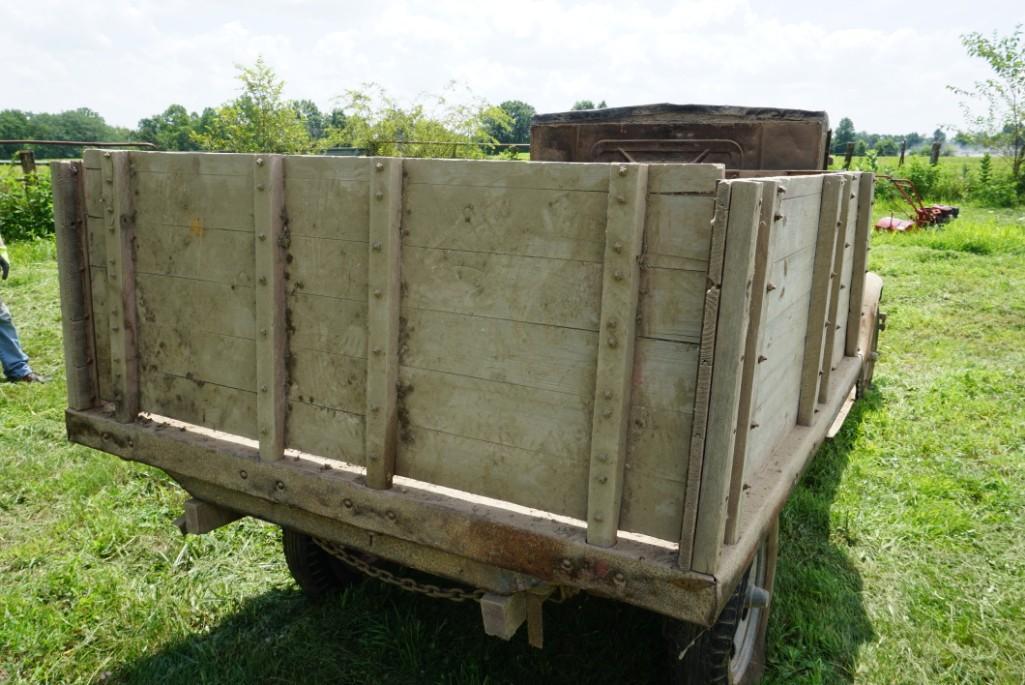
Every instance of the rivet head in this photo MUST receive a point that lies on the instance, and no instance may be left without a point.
(377, 293)
(107, 155)
(603, 458)
(242, 474)
(379, 194)
(262, 236)
(612, 342)
(603, 479)
(347, 503)
(259, 186)
(259, 161)
(622, 171)
(777, 217)
(620, 199)
(607, 413)
(567, 565)
(110, 210)
(279, 485)
(263, 332)
(618, 275)
(377, 350)
(769, 287)
(374, 409)
(263, 280)
(390, 514)
(613, 323)
(379, 166)
(617, 246)
(608, 394)
(619, 579)
(376, 246)
(263, 388)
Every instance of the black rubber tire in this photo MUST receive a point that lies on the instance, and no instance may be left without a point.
(318, 574)
(708, 652)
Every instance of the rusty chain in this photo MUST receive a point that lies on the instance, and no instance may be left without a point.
(454, 594)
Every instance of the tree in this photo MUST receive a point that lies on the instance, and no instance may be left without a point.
(258, 120)
(938, 136)
(312, 118)
(843, 135)
(173, 129)
(430, 127)
(995, 107)
(519, 115)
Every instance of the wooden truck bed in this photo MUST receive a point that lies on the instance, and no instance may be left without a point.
(604, 376)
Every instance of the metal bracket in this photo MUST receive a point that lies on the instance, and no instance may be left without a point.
(202, 517)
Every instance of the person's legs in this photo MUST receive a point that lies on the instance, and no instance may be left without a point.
(12, 357)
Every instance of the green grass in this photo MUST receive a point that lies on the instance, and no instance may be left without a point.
(903, 551)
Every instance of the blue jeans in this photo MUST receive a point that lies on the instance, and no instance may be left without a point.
(12, 357)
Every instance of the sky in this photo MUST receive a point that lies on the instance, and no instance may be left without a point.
(886, 65)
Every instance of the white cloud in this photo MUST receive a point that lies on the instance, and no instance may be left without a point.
(885, 66)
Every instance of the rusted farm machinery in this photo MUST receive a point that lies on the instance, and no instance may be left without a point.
(922, 215)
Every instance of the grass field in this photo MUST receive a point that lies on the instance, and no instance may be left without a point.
(903, 551)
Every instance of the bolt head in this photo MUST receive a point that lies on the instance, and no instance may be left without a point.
(347, 503)
(390, 514)
(279, 485)
(259, 186)
(379, 194)
(379, 166)
(622, 171)
(259, 161)
(376, 246)
(242, 474)
(567, 565)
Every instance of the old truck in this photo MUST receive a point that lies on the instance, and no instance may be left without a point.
(525, 377)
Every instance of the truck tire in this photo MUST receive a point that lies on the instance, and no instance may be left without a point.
(731, 652)
(318, 573)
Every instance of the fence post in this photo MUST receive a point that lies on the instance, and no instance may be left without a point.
(934, 156)
(903, 149)
(848, 155)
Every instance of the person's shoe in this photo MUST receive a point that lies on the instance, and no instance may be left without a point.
(30, 377)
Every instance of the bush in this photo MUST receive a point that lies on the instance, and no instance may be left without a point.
(26, 209)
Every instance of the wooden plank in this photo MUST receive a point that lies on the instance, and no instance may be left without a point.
(769, 206)
(101, 332)
(326, 432)
(833, 308)
(384, 284)
(866, 189)
(703, 388)
(269, 294)
(193, 400)
(811, 365)
(75, 291)
(508, 174)
(624, 244)
(730, 340)
(118, 198)
(843, 309)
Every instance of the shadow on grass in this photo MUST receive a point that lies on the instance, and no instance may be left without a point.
(819, 621)
(374, 633)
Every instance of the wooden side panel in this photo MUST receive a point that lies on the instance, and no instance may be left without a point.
(785, 315)
(822, 278)
(119, 204)
(383, 321)
(624, 243)
(727, 372)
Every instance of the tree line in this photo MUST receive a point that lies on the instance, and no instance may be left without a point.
(262, 119)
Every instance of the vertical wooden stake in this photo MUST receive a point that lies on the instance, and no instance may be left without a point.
(75, 287)
(624, 242)
(833, 308)
(703, 387)
(770, 205)
(811, 366)
(859, 262)
(269, 269)
(383, 297)
(120, 234)
(727, 367)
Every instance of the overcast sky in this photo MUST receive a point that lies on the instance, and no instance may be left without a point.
(884, 64)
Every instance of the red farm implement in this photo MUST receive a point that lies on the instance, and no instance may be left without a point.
(921, 214)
